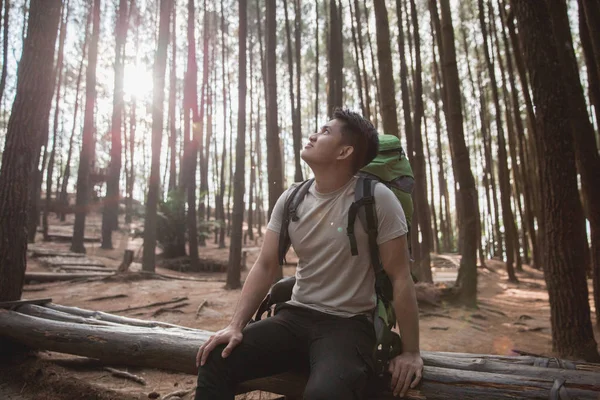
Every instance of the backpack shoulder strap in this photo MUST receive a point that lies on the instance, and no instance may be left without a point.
(364, 207)
(290, 211)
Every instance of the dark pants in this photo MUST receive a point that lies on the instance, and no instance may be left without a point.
(336, 352)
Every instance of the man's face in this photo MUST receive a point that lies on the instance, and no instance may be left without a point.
(326, 146)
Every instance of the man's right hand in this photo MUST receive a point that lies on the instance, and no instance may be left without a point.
(230, 335)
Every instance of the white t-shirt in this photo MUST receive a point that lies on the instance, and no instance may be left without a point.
(328, 278)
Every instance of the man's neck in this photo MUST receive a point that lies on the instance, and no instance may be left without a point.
(330, 179)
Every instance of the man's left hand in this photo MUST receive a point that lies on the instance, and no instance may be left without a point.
(403, 369)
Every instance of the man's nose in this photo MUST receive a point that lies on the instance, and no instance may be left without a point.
(312, 137)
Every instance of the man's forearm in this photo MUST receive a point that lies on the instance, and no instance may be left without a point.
(255, 288)
(407, 314)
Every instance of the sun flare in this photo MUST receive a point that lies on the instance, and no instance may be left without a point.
(137, 81)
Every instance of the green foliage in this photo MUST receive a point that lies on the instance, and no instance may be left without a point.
(171, 221)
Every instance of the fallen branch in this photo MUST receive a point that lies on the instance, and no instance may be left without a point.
(175, 308)
(160, 303)
(116, 296)
(62, 276)
(200, 308)
(126, 375)
(178, 393)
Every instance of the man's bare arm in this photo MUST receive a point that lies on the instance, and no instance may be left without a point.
(395, 260)
(259, 280)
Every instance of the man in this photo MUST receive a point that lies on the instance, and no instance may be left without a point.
(327, 326)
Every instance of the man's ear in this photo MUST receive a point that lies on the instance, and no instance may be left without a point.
(345, 152)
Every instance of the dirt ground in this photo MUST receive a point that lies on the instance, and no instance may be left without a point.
(510, 316)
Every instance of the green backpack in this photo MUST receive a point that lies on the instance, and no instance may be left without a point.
(392, 168)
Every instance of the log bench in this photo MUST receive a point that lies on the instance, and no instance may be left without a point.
(118, 340)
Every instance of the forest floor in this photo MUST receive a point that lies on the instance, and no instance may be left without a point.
(510, 316)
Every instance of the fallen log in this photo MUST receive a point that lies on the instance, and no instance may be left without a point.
(79, 261)
(67, 237)
(173, 348)
(61, 276)
(86, 268)
(35, 252)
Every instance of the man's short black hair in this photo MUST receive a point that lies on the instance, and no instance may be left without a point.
(358, 132)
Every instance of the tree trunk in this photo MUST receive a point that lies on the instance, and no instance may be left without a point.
(467, 193)
(88, 142)
(435, 235)
(592, 17)
(172, 108)
(235, 249)
(274, 164)
(505, 189)
(317, 72)
(376, 107)
(593, 69)
(365, 82)
(158, 98)
(436, 34)
(4, 48)
(572, 333)
(59, 75)
(424, 216)
(131, 178)
(203, 149)
(296, 135)
(63, 199)
(190, 102)
(386, 71)
(586, 152)
(34, 92)
(357, 69)
(414, 245)
(335, 58)
(110, 211)
(523, 179)
(221, 197)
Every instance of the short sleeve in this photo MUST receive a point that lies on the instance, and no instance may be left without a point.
(275, 221)
(390, 215)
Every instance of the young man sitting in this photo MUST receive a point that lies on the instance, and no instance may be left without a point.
(327, 326)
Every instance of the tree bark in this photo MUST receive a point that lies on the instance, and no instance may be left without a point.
(190, 101)
(365, 82)
(505, 189)
(4, 48)
(88, 142)
(564, 271)
(59, 75)
(274, 164)
(34, 92)
(586, 151)
(593, 69)
(202, 140)
(296, 135)
(422, 209)
(335, 58)
(386, 71)
(467, 193)
(158, 98)
(110, 211)
(235, 249)
(172, 108)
